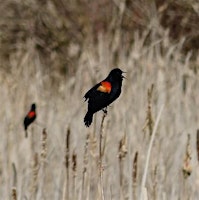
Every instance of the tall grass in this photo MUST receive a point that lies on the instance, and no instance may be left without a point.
(51, 164)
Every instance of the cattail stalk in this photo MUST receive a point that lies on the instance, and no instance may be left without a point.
(143, 188)
(101, 153)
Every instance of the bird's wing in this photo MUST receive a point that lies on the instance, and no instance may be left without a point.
(31, 114)
(105, 87)
(102, 87)
(91, 91)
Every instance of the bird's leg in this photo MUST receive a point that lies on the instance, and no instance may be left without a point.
(105, 110)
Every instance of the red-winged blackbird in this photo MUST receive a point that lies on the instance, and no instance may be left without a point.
(103, 94)
(30, 117)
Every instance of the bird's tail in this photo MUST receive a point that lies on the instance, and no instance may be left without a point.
(88, 118)
(26, 133)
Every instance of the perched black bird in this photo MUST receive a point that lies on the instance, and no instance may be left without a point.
(103, 94)
(30, 117)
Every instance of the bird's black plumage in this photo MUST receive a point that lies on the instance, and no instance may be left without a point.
(103, 94)
(29, 118)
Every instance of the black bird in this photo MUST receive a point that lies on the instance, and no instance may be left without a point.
(103, 94)
(29, 118)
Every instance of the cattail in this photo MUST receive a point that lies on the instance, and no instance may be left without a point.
(155, 182)
(122, 151)
(134, 174)
(197, 143)
(14, 193)
(149, 118)
(74, 169)
(44, 146)
(67, 162)
(184, 83)
(74, 162)
(85, 161)
(187, 169)
(143, 190)
(42, 174)
(135, 163)
(35, 171)
(86, 153)
(67, 148)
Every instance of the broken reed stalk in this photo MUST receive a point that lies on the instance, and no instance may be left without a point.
(187, 169)
(122, 151)
(85, 162)
(14, 175)
(67, 163)
(14, 190)
(197, 143)
(101, 153)
(74, 170)
(143, 188)
(134, 174)
(149, 117)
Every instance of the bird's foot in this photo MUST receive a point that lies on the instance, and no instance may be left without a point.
(105, 110)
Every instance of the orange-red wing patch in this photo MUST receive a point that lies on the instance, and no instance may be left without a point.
(31, 114)
(105, 87)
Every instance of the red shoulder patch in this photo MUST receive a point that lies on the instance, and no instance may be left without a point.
(31, 114)
(105, 87)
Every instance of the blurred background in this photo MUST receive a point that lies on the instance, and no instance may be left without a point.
(52, 52)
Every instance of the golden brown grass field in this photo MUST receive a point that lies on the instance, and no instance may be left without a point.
(52, 52)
